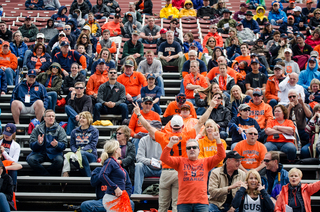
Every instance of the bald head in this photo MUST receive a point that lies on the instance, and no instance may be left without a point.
(293, 79)
(221, 59)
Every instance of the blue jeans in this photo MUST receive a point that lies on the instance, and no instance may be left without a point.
(226, 93)
(26, 55)
(157, 109)
(233, 145)
(305, 153)
(10, 74)
(84, 17)
(71, 118)
(96, 206)
(286, 147)
(273, 103)
(182, 86)
(136, 141)
(160, 84)
(13, 174)
(304, 136)
(142, 171)
(193, 208)
(214, 208)
(234, 56)
(273, 22)
(53, 96)
(102, 109)
(87, 158)
(36, 159)
(200, 110)
(223, 133)
(4, 205)
(20, 62)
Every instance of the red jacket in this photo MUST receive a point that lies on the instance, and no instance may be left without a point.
(312, 43)
(272, 89)
(218, 38)
(8, 60)
(306, 190)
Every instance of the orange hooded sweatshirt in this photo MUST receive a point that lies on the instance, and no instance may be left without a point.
(261, 113)
(8, 60)
(219, 40)
(272, 88)
(95, 81)
(113, 27)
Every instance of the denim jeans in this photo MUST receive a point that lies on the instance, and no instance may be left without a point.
(157, 109)
(71, 118)
(286, 147)
(142, 171)
(223, 133)
(96, 206)
(26, 55)
(4, 205)
(154, 41)
(273, 103)
(101, 109)
(199, 109)
(182, 86)
(84, 17)
(160, 84)
(305, 153)
(87, 158)
(193, 208)
(233, 146)
(13, 174)
(214, 208)
(53, 96)
(136, 141)
(20, 62)
(36, 159)
(234, 56)
(10, 74)
(304, 137)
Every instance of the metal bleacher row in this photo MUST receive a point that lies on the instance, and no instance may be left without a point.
(38, 193)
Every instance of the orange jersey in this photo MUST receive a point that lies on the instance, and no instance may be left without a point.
(174, 109)
(242, 58)
(135, 125)
(253, 154)
(7, 163)
(286, 123)
(178, 149)
(208, 148)
(113, 27)
(189, 78)
(134, 83)
(112, 49)
(261, 113)
(215, 71)
(95, 81)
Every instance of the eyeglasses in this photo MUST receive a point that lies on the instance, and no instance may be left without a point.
(55, 67)
(252, 133)
(67, 29)
(247, 109)
(85, 37)
(113, 72)
(148, 103)
(32, 76)
(192, 147)
(119, 133)
(292, 97)
(219, 98)
(266, 160)
(78, 87)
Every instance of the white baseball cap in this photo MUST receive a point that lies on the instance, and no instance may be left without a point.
(176, 121)
(288, 50)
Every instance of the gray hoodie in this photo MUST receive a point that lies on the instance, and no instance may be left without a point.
(148, 149)
(51, 4)
(128, 26)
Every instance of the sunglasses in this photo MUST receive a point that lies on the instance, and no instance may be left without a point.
(252, 133)
(211, 41)
(174, 22)
(317, 13)
(292, 97)
(32, 76)
(148, 103)
(246, 109)
(67, 29)
(219, 98)
(193, 147)
(188, 4)
(113, 72)
(78, 87)
(85, 37)
(256, 95)
(266, 160)
(55, 67)
(119, 133)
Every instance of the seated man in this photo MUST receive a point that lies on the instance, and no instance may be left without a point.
(226, 22)
(277, 49)
(215, 71)
(28, 30)
(290, 82)
(289, 9)
(252, 150)
(206, 12)
(153, 91)
(255, 79)
(301, 48)
(289, 26)
(100, 10)
(113, 26)
(77, 103)
(113, 6)
(224, 182)
(246, 34)
(47, 33)
(131, 25)
(132, 8)
(106, 42)
(93, 24)
(272, 87)
(8, 63)
(34, 4)
(308, 10)
(249, 22)
(47, 141)
(51, 4)
(5, 34)
(29, 97)
(239, 125)
(300, 20)
(137, 130)
(310, 73)
(149, 150)
(150, 32)
(133, 47)
(111, 98)
(245, 54)
(60, 18)
(276, 15)
(70, 80)
(262, 54)
(169, 11)
(82, 6)
(67, 33)
(240, 15)
(224, 80)
(213, 32)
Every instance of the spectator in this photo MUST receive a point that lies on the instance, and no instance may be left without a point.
(308, 10)
(52, 81)
(113, 26)
(174, 23)
(220, 6)
(18, 47)
(93, 24)
(189, 57)
(232, 33)
(277, 49)
(48, 32)
(240, 15)
(262, 53)
(250, 23)
(239, 125)
(299, 19)
(131, 25)
(310, 73)
(237, 98)
(70, 80)
(113, 7)
(100, 11)
(34, 5)
(152, 91)
(224, 182)
(39, 60)
(255, 79)
(28, 30)
(3, 82)
(313, 97)
(133, 47)
(51, 4)
(276, 15)
(224, 80)
(82, 51)
(278, 131)
(260, 16)
(246, 34)
(106, 55)
(144, 6)
(301, 48)
(105, 42)
(83, 39)
(8, 63)
(289, 9)
(249, 190)
(78, 103)
(315, 20)
(93, 40)
(163, 38)
(299, 112)
(187, 11)
(215, 71)
(83, 141)
(82, 6)
(267, 33)
(290, 82)
(169, 11)
(5, 34)
(6, 189)
(67, 33)
(289, 27)
(213, 33)
(148, 152)
(60, 19)
(209, 48)
(275, 41)
(150, 33)
(226, 22)
(73, 23)
(47, 141)
(272, 87)
(206, 12)
(307, 150)
(314, 39)
(233, 50)
(132, 8)
(291, 66)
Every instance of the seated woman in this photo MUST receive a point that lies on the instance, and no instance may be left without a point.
(220, 6)
(253, 195)
(106, 55)
(314, 39)
(52, 80)
(18, 47)
(188, 12)
(237, 98)
(232, 32)
(188, 39)
(84, 40)
(315, 20)
(233, 50)
(144, 7)
(174, 23)
(208, 50)
(313, 97)
(213, 62)
(83, 143)
(280, 133)
(39, 60)
(71, 79)
(267, 33)
(293, 189)
(6, 190)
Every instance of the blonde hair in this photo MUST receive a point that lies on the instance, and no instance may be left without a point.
(87, 115)
(257, 175)
(13, 136)
(242, 96)
(208, 92)
(210, 121)
(130, 57)
(314, 81)
(109, 148)
(125, 130)
(295, 170)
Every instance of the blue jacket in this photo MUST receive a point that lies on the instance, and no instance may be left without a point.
(66, 62)
(235, 105)
(277, 16)
(197, 4)
(18, 51)
(253, 25)
(59, 16)
(54, 132)
(187, 45)
(231, 50)
(113, 175)
(109, 65)
(74, 27)
(37, 4)
(86, 141)
(285, 27)
(37, 91)
(307, 75)
(237, 122)
(3, 81)
(45, 60)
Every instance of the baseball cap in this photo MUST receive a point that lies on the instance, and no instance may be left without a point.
(277, 66)
(86, 27)
(233, 154)
(253, 55)
(129, 14)
(128, 63)
(300, 35)
(147, 99)
(193, 44)
(257, 91)
(243, 106)
(292, 1)
(65, 43)
(32, 72)
(62, 33)
(40, 35)
(185, 106)
(176, 121)
(156, 124)
(243, 5)
(181, 98)
(27, 17)
(249, 13)
(314, 54)
(254, 61)
(163, 31)
(151, 76)
(296, 9)
(239, 23)
(101, 60)
(135, 32)
(288, 50)
(291, 16)
(283, 35)
(312, 59)
(117, 15)
(260, 40)
(9, 129)
(6, 43)
(309, 1)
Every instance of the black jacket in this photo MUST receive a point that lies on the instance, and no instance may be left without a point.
(7, 36)
(84, 8)
(129, 160)
(6, 186)
(314, 23)
(307, 49)
(69, 82)
(207, 11)
(147, 6)
(117, 94)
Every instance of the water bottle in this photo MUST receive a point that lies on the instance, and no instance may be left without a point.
(244, 135)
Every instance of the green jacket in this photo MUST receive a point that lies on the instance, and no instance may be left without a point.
(130, 49)
(232, 23)
(30, 32)
(56, 83)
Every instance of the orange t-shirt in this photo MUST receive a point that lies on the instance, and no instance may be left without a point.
(173, 109)
(208, 148)
(7, 163)
(135, 125)
(177, 149)
(193, 175)
(215, 71)
(253, 154)
(286, 123)
(189, 78)
(242, 58)
(262, 113)
(134, 83)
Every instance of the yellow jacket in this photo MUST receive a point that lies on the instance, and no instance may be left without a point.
(260, 16)
(187, 12)
(169, 10)
(209, 148)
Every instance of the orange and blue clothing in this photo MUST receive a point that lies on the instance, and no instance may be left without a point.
(66, 60)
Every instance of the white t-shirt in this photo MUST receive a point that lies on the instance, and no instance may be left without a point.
(251, 205)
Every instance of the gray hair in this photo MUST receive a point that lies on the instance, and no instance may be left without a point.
(195, 61)
(169, 32)
(193, 51)
(293, 91)
(192, 140)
